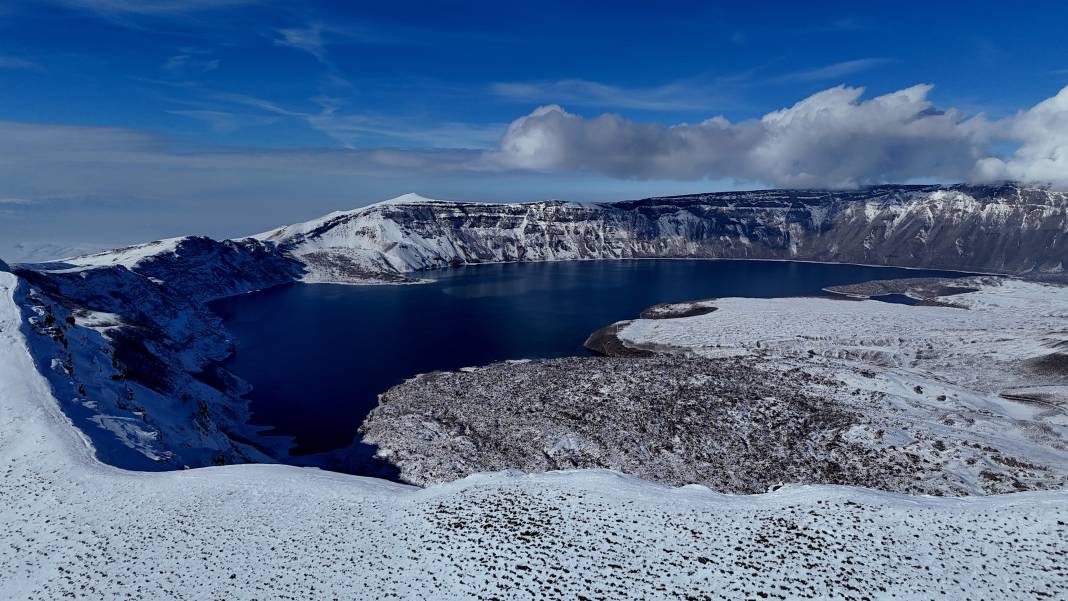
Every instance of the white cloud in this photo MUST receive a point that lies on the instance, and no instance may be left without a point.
(834, 138)
(830, 139)
(122, 185)
(1042, 135)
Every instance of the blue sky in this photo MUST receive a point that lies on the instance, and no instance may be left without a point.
(250, 113)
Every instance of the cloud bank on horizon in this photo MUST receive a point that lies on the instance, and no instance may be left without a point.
(831, 139)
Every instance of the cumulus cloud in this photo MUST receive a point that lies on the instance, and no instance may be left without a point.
(1042, 135)
(835, 138)
(831, 139)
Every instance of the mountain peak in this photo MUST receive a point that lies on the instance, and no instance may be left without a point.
(409, 198)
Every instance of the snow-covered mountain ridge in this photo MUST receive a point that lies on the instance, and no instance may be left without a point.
(1003, 229)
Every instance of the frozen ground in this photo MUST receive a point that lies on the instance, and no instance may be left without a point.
(71, 527)
(996, 339)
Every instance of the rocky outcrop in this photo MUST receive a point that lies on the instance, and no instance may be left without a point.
(734, 425)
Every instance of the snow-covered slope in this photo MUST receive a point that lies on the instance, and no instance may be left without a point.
(129, 345)
(71, 527)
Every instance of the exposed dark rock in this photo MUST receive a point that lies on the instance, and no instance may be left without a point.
(604, 342)
(729, 424)
(676, 310)
(1053, 364)
(926, 290)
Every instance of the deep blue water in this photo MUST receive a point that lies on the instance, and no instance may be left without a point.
(318, 355)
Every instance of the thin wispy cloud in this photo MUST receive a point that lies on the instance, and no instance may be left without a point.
(354, 130)
(16, 63)
(315, 36)
(699, 93)
(846, 24)
(675, 96)
(224, 121)
(833, 71)
(306, 39)
(191, 61)
(152, 7)
(254, 102)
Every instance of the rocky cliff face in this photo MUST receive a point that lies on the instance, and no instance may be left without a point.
(1004, 229)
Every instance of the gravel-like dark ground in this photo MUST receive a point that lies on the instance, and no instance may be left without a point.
(730, 424)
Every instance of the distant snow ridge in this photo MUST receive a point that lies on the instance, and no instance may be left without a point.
(1003, 229)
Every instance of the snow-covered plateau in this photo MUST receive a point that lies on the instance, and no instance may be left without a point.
(109, 373)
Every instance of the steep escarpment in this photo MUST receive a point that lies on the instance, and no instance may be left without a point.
(130, 347)
(1004, 229)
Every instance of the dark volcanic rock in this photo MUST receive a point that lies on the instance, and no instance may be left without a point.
(728, 424)
(918, 288)
(604, 342)
(676, 310)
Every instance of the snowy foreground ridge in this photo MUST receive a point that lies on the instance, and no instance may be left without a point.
(71, 527)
